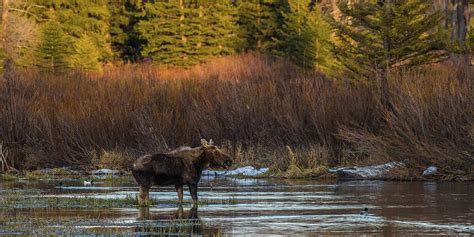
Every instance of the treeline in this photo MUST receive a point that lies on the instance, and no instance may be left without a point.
(55, 35)
(82, 34)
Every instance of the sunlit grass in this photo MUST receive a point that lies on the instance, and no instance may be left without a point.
(36, 200)
(33, 200)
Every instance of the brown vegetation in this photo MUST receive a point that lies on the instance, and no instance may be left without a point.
(249, 102)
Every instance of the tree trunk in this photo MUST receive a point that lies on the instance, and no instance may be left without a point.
(4, 24)
(6, 61)
(5, 10)
(385, 71)
(259, 41)
(457, 17)
(461, 18)
(184, 39)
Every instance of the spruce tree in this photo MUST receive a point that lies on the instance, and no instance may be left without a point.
(221, 29)
(374, 37)
(470, 39)
(86, 55)
(258, 22)
(303, 36)
(160, 30)
(125, 40)
(183, 33)
(52, 53)
(81, 16)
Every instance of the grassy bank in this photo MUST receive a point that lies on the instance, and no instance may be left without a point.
(256, 106)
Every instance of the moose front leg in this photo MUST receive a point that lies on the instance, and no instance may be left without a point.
(193, 188)
(144, 195)
(179, 189)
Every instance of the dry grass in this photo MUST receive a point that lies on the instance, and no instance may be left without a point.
(114, 159)
(431, 123)
(254, 104)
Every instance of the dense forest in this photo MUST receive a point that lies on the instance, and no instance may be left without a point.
(328, 82)
(83, 34)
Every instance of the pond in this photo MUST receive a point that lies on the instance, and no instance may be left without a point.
(232, 206)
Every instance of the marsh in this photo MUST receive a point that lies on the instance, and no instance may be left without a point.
(238, 206)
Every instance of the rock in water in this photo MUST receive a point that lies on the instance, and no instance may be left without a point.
(248, 171)
(366, 172)
(105, 172)
(432, 170)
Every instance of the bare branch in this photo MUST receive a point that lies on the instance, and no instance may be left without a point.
(27, 12)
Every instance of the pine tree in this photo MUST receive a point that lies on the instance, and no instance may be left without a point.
(304, 36)
(470, 39)
(377, 36)
(258, 22)
(125, 40)
(221, 28)
(86, 56)
(81, 16)
(52, 53)
(160, 30)
(182, 34)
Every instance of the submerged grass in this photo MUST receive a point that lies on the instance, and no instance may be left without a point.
(20, 200)
(36, 200)
(9, 177)
(29, 225)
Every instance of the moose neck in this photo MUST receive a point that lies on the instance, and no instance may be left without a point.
(202, 161)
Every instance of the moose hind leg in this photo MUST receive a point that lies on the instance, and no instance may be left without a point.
(179, 189)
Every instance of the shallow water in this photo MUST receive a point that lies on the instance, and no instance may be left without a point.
(232, 206)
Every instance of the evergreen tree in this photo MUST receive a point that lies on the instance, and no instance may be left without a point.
(221, 30)
(52, 53)
(216, 29)
(376, 36)
(160, 29)
(79, 17)
(470, 39)
(258, 22)
(183, 34)
(125, 40)
(86, 56)
(304, 36)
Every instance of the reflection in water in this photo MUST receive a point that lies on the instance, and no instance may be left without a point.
(144, 213)
(259, 206)
(180, 223)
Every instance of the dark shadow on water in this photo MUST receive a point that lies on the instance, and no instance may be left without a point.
(181, 222)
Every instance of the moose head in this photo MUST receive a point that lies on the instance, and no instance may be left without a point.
(216, 157)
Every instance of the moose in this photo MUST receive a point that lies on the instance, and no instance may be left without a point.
(182, 166)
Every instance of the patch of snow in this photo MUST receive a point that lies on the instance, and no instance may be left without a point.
(105, 172)
(366, 172)
(432, 170)
(249, 171)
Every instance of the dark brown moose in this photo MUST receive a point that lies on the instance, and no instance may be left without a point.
(182, 166)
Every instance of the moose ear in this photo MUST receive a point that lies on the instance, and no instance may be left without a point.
(204, 143)
(211, 142)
